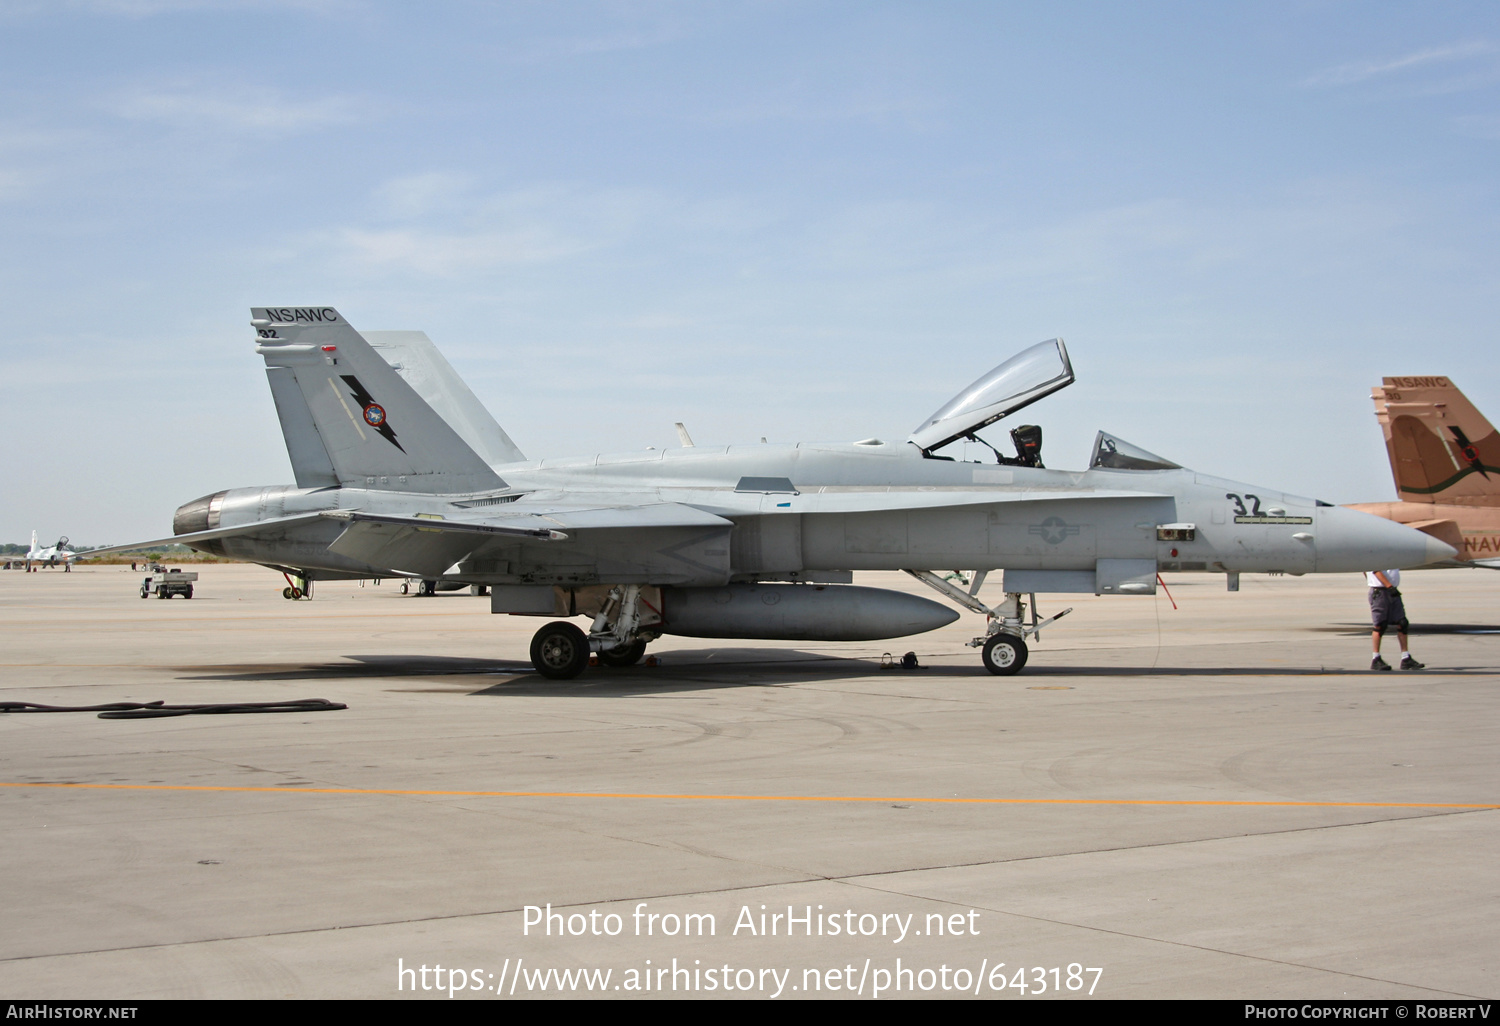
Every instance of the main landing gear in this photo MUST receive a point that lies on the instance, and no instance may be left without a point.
(559, 650)
(619, 635)
(1003, 644)
(625, 655)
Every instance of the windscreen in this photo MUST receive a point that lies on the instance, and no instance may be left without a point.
(1016, 383)
(1118, 454)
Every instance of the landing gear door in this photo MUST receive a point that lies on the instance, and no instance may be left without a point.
(1018, 382)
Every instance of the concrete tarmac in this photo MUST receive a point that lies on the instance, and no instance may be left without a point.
(1216, 801)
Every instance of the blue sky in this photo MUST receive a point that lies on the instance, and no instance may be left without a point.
(798, 220)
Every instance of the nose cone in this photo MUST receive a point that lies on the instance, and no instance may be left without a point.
(1350, 540)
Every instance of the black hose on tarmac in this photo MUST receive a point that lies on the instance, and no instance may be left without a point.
(151, 710)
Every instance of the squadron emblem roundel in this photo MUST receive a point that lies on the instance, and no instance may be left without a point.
(374, 415)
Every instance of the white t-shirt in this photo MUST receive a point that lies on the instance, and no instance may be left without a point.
(1394, 576)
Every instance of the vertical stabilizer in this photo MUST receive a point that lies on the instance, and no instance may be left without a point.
(413, 356)
(310, 463)
(374, 430)
(1441, 448)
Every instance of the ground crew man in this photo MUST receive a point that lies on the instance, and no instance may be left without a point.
(1387, 610)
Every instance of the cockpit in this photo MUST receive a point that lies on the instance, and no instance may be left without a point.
(1030, 375)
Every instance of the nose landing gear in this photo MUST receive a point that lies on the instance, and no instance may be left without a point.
(1003, 643)
(296, 588)
(1004, 654)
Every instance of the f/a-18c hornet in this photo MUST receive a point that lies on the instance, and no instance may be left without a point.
(1445, 459)
(743, 541)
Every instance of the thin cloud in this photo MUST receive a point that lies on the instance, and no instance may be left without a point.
(27, 156)
(451, 230)
(872, 109)
(19, 139)
(1478, 126)
(1361, 71)
(444, 254)
(13, 185)
(418, 195)
(253, 110)
(152, 8)
(546, 49)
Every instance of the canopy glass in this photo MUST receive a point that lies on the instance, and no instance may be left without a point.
(1117, 454)
(1018, 382)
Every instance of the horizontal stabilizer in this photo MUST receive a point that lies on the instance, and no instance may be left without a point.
(190, 540)
(1445, 531)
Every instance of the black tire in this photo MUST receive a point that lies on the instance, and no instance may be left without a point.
(163, 593)
(296, 593)
(405, 587)
(559, 650)
(1004, 654)
(429, 587)
(286, 592)
(189, 593)
(628, 655)
(144, 593)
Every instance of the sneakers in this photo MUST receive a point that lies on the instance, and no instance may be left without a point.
(1406, 664)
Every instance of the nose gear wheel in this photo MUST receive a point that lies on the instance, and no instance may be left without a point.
(1004, 654)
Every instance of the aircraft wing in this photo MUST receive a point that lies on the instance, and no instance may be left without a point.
(259, 527)
(667, 542)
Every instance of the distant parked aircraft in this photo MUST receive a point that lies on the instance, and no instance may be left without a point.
(1445, 458)
(49, 556)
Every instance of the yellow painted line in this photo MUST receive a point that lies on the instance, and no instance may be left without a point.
(247, 618)
(757, 797)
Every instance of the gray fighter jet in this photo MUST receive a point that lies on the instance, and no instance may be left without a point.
(754, 541)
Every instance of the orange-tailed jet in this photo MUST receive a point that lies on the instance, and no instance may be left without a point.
(1445, 458)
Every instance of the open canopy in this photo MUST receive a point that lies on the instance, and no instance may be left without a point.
(1018, 382)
